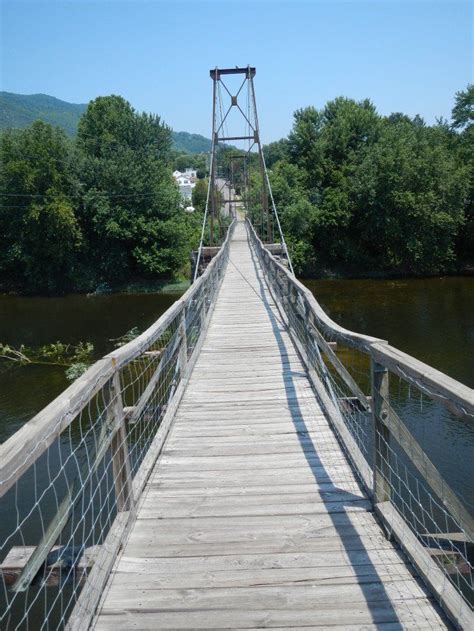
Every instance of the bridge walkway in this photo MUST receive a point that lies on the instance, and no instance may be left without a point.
(252, 516)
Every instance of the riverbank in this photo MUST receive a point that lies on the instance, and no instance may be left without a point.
(169, 285)
(327, 274)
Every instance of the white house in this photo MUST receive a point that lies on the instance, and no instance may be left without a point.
(186, 182)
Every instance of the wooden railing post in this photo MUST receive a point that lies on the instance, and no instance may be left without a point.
(381, 466)
(119, 447)
(183, 349)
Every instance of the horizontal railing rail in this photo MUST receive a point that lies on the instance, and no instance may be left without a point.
(376, 396)
(71, 477)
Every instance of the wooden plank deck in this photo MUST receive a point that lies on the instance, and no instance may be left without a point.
(252, 516)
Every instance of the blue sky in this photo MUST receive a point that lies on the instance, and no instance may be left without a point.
(405, 56)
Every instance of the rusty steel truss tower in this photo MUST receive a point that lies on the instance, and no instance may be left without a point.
(236, 101)
(238, 175)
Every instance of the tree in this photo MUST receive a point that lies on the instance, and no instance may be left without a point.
(198, 161)
(358, 192)
(131, 213)
(39, 232)
(463, 120)
(200, 195)
(463, 111)
(275, 151)
(409, 198)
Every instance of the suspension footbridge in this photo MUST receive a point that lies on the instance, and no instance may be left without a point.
(244, 463)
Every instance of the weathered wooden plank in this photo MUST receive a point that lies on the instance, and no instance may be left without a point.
(170, 510)
(248, 598)
(286, 462)
(342, 559)
(179, 489)
(259, 477)
(249, 431)
(268, 545)
(156, 497)
(143, 576)
(249, 448)
(275, 620)
(253, 517)
(419, 614)
(267, 412)
(251, 528)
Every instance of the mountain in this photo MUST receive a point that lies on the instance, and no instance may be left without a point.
(191, 143)
(20, 110)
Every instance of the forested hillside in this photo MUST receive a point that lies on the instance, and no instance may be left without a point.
(191, 143)
(360, 193)
(20, 110)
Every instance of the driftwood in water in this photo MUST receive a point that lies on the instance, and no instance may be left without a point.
(59, 564)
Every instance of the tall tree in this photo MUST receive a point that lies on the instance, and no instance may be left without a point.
(374, 193)
(463, 120)
(132, 214)
(39, 231)
(408, 192)
(463, 110)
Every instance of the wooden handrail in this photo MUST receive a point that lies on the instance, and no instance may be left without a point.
(26, 445)
(298, 304)
(456, 396)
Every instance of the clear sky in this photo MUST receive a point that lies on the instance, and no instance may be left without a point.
(409, 56)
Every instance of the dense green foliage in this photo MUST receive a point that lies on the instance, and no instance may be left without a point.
(360, 193)
(20, 110)
(199, 197)
(101, 209)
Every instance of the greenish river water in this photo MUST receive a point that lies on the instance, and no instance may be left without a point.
(431, 319)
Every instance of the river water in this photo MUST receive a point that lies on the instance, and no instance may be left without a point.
(431, 319)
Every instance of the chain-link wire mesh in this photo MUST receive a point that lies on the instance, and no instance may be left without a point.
(380, 421)
(70, 479)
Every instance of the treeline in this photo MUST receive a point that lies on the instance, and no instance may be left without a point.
(100, 209)
(360, 193)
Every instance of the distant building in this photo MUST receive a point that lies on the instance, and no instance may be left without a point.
(186, 182)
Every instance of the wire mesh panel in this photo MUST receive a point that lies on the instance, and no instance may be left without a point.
(381, 404)
(71, 477)
(431, 509)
